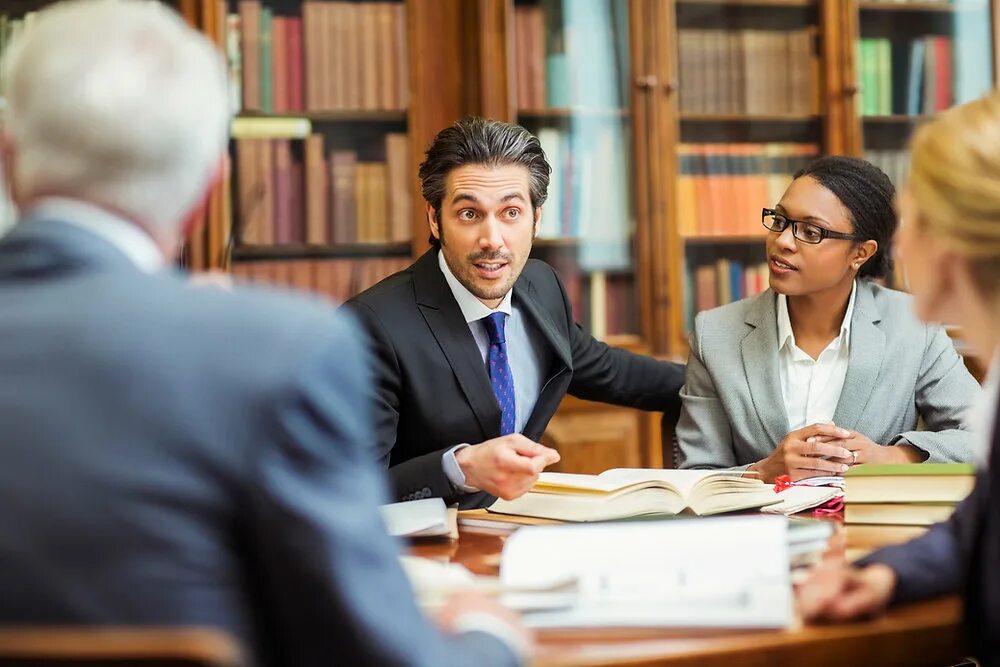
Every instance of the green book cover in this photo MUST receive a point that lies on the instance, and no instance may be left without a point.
(910, 469)
(884, 50)
(266, 95)
(869, 77)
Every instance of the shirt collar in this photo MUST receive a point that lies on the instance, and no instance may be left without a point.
(787, 337)
(472, 308)
(131, 241)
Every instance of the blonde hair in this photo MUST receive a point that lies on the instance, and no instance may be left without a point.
(955, 182)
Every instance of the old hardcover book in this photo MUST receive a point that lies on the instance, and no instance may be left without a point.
(631, 492)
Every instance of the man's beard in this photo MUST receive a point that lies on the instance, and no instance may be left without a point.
(466, 275)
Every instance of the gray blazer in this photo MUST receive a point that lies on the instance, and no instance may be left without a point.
(175, 455)
(899, 370)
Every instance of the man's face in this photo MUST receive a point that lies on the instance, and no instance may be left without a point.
(486, 228)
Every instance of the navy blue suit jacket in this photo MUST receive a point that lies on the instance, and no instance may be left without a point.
(959, 556)
(185, 455)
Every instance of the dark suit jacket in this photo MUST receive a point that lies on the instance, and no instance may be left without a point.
(432, 390)
(959, 555)
(178, 455)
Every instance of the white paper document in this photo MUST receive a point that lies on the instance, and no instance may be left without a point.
(416, 518)
(730, 572)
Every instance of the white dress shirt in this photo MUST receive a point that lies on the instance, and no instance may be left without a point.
(983, 413)
(523, 355)
(811, 387)
(131, 241)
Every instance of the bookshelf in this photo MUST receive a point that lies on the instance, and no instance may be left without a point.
(911, 60)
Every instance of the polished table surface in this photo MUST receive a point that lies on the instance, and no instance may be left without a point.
(926, 634)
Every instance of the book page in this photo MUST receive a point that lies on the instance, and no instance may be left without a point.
(723, 572)
(682, 480)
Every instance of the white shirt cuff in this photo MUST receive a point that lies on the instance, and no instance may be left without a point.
(453, 471)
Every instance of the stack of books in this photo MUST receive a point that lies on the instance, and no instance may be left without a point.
(887, 504)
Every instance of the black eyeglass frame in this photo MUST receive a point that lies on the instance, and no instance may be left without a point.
(824, 233)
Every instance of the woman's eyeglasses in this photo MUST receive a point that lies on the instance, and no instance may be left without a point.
(803, 231)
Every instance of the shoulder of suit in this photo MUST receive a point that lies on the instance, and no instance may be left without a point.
(539, 272)
(258, 309)
(389, 291)
(729, 316)
(895, 308)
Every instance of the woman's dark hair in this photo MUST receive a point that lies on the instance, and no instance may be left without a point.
(486, 142)
(867, 193)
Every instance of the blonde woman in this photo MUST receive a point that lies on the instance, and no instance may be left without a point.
(950, 243)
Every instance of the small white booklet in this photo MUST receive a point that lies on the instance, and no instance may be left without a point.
(428, 517)
(727, 572)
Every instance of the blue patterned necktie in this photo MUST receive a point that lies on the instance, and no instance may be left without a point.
(500, 377)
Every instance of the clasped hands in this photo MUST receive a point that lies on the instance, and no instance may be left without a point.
(827, 449)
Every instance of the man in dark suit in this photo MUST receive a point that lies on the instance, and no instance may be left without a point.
(475, 344)
(173, 454)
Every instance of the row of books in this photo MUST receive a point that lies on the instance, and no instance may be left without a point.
(905, 77)
(895, 164)
(900, 502)
(749, 71)
(721, 188)
(714, 284)
(336, 279)
(293, 192)
(571, 55)
(603, 302)
(333, 56)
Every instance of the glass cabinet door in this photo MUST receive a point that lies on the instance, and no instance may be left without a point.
(572, 90)
(750, 115)
(913, 59)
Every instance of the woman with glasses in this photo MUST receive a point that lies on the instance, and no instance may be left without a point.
(827, 369)
(950, 241)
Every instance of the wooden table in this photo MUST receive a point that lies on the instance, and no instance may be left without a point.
(921, 635)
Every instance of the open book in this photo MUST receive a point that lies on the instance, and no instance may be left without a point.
(631, 492)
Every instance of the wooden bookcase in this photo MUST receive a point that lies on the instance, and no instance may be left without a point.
(648, 106)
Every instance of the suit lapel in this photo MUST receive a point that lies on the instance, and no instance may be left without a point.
(760, 365)
(865, 359)
(444, 318)
(526, 296)
(526, 299)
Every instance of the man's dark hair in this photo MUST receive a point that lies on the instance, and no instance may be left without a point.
(486, 142)
(867, 193)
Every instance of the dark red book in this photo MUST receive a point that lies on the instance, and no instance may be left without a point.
(296, 57)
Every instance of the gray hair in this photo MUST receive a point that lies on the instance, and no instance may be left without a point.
(117, 102)
(487, 142)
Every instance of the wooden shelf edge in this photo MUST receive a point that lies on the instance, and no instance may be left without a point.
(710, 239)
(301, 251)
(927, 7)
(898, 118)
(572, 112)
(748, 118)
(340, 116)
(751, 3)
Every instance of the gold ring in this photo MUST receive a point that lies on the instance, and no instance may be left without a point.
(854, 452)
